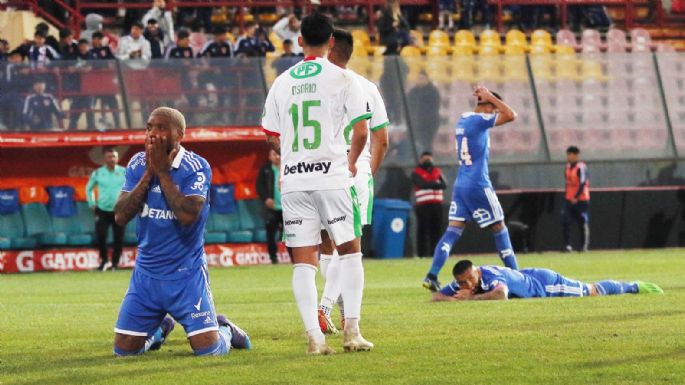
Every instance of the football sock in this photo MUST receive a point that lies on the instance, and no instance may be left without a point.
(352, 283)
(331, 290)
(304, 289)
(324, 261)
(506, 251)
(221, 347)
(443, 248)
(616, 287)
(152, 338)
(352, 325)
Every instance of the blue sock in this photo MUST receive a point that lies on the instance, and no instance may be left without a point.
(221, 347)
(152, 338)
(616, 287)
(443, 248)
(506, 251)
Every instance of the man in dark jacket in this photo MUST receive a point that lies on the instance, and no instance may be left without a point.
(269, 191)
(428, 186)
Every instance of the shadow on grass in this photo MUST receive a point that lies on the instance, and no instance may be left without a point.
(675, 354)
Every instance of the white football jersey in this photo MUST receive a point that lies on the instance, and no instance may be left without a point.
(378, 120)
(308, 107)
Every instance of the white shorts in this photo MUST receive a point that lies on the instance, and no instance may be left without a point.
(305, 213)
(363, 182)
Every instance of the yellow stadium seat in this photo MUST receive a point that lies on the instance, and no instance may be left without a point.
(567, 69)
(464, 38)
(409, 51)
(438, 38)
(417, 38)
(462, 50)
(538, 49)
(541, 65)
(488, 50)
(434, 50)
(463, 68)
(516, 38)
(267, 18)
(515, 68)
(360, 51)
(541, 37)
(378, 50)
(592, 70)
(490, 37)
(489, 69)
(564, 49)
(361, 37)
(514, 50)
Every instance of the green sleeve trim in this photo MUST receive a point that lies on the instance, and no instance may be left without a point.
(363, 117)
(378, 127)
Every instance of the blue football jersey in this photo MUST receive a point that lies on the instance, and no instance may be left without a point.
(519, 285)
(166, 249)
(473, 148)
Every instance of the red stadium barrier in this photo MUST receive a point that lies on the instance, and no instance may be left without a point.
(85, 259)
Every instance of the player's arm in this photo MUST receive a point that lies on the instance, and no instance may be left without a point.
(270, 121)
(92, 181)
(274, 143)
(499, 292)
(379, 146)
(505, 115)
(439, 297)
(582, 178)
(359, 134)
(130, 202)
(187, 208)
(447, 293)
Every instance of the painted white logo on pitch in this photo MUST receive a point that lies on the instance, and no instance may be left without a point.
(397, 225)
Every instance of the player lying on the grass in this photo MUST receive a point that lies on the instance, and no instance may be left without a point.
(473, 196)
(367, 164)
(494, 282)
(166, 188)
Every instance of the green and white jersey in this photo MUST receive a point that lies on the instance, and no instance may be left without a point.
(308, 107)
(379, 119)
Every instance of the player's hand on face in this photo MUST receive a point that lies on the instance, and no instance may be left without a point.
(160, 161)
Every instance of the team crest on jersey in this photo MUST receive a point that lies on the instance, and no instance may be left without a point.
(305, 70)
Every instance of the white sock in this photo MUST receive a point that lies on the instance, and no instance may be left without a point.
(304, 289)
(352, 285)
(324, 261)
(331, 290)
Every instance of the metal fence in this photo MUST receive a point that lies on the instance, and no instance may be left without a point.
(614, 106)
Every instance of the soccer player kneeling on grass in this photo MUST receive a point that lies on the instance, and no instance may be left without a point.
(495, 282)
(305, 114)
(166, 187)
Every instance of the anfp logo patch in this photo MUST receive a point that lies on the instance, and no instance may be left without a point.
(305, 70)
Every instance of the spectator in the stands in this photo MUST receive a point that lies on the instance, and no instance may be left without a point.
(268, 189)
(220, 46)
(180, 50)
(590, 16)
(254, 42)
(93, 24)
(392, 25)
(447, 8)
(287, 60)
(40, 52)
(4, 50)
(99, 51)
(83, 50)
(200, 15)
(289, 28)
(40, 108)
(134, 46)
(68, 48)
(469, 8)
(50, 40)
(79, 103)
(14, 81)
(164, 19)
(155, 37)
(423, 101)
(103, 52)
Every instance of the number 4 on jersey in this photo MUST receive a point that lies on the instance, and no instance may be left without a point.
(306, 122)
(464, 156)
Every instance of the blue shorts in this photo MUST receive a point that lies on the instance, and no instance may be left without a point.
(477, 203)
(148, 300)
(554, 284)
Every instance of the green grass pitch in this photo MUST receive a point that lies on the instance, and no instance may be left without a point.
(57, 328)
